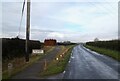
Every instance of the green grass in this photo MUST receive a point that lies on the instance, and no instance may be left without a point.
(111, 53)
(55, 66)
(24, 65)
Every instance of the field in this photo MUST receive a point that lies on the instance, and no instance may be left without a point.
(109, 48)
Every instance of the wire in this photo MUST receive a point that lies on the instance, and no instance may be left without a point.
(21, 18)
(113, 8)
(105, 9)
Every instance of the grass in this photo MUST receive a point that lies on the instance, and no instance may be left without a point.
(19, 64)
(111, 53)
(58, 66)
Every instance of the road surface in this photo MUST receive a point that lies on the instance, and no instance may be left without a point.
(83, 64)
(32, 72)
(86, 64)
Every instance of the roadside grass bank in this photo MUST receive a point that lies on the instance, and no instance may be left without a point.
(58, 64)
(19, 64)
(111, 53)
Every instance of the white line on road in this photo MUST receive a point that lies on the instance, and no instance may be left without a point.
(63, 72)
(72, 57)
(69, 61)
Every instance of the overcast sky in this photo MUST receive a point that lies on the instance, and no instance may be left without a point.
(73, 20)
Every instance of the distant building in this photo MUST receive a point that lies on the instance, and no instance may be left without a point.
(66, 42)
(50, 42)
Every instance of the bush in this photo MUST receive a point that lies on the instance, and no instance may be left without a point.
(15, 47)
(112, 44)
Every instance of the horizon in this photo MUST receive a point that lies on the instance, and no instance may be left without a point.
(61, 41)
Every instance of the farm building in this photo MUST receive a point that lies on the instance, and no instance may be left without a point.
(50, 42)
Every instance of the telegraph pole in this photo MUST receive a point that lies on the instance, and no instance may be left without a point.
(27, 31)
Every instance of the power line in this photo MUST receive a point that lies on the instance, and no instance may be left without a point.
(21, 18)
(105, 9)
(109, 5)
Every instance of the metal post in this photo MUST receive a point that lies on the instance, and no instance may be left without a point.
(27, 31)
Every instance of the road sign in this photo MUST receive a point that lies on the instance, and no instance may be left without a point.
(37, 51)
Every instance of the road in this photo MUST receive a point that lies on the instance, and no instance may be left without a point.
(83, 64)
(32, 72)
(86, 64)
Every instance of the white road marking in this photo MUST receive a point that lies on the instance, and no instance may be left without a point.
(70, 73)
(64, 72)
(72, 57)
(69, 61)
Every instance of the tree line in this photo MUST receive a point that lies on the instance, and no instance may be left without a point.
(15, 47)
(111, 44)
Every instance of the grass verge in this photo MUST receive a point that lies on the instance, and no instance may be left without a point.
(19, 64)
(58, 66)
(111, 53)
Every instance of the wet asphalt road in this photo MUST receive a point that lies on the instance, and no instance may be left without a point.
(86, 64)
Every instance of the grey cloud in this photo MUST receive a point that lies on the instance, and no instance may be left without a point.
(42, 17)
(40, 30)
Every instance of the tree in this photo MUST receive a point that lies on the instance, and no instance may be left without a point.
(96, 39)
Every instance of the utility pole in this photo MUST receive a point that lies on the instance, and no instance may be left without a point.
(27, 31)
